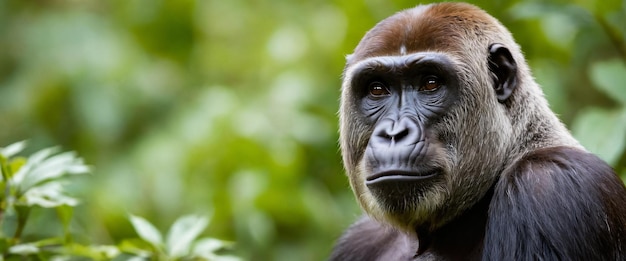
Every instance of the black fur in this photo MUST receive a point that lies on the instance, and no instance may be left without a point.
(369, 240)
(557, 204)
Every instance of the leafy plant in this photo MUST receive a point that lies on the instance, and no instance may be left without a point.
(603, 130)
(36, 181)
(39, 181)
(181, 242)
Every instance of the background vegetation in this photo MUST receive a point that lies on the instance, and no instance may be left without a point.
(229, 107)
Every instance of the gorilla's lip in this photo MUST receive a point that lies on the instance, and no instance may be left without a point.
(401, 175)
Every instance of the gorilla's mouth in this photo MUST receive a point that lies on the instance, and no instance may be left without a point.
(400, 176)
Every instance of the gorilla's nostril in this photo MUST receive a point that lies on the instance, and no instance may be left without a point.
(401, 135)
(394, 136)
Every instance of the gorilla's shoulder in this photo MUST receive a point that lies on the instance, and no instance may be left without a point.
(557, 203)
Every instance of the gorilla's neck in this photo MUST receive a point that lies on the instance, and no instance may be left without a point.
(460, 239)
(535, 125)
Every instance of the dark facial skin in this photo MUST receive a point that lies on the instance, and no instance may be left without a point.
(400, 98)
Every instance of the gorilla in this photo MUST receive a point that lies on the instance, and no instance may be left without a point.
(454, 154)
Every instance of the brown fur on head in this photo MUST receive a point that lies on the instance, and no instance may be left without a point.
(477, 136)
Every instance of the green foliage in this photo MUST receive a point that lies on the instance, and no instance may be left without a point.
(602, 130)
(181, 243)
(37, 181)
(230, 106)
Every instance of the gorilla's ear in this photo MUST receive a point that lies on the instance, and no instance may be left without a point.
(503, 71)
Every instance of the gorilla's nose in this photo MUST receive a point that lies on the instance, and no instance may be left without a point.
(399, 133)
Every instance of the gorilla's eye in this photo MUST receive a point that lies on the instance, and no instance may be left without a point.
(378, 89)
(430, 83)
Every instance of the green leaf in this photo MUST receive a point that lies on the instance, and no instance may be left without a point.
(16, 164)
(147, 231)
(48, 195)
(38, 169)
(24, 249)
(208, 246)
(610, 77)
(31, 163)
(65, 213)
(93, 252)
(13, 149)
(137, 247)
(602, 132)
(42, 167)
(183, 232)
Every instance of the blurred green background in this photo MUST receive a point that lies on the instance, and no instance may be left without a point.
(229, 106)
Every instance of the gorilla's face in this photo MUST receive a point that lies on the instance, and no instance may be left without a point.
(399, 99)
(421, 135)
